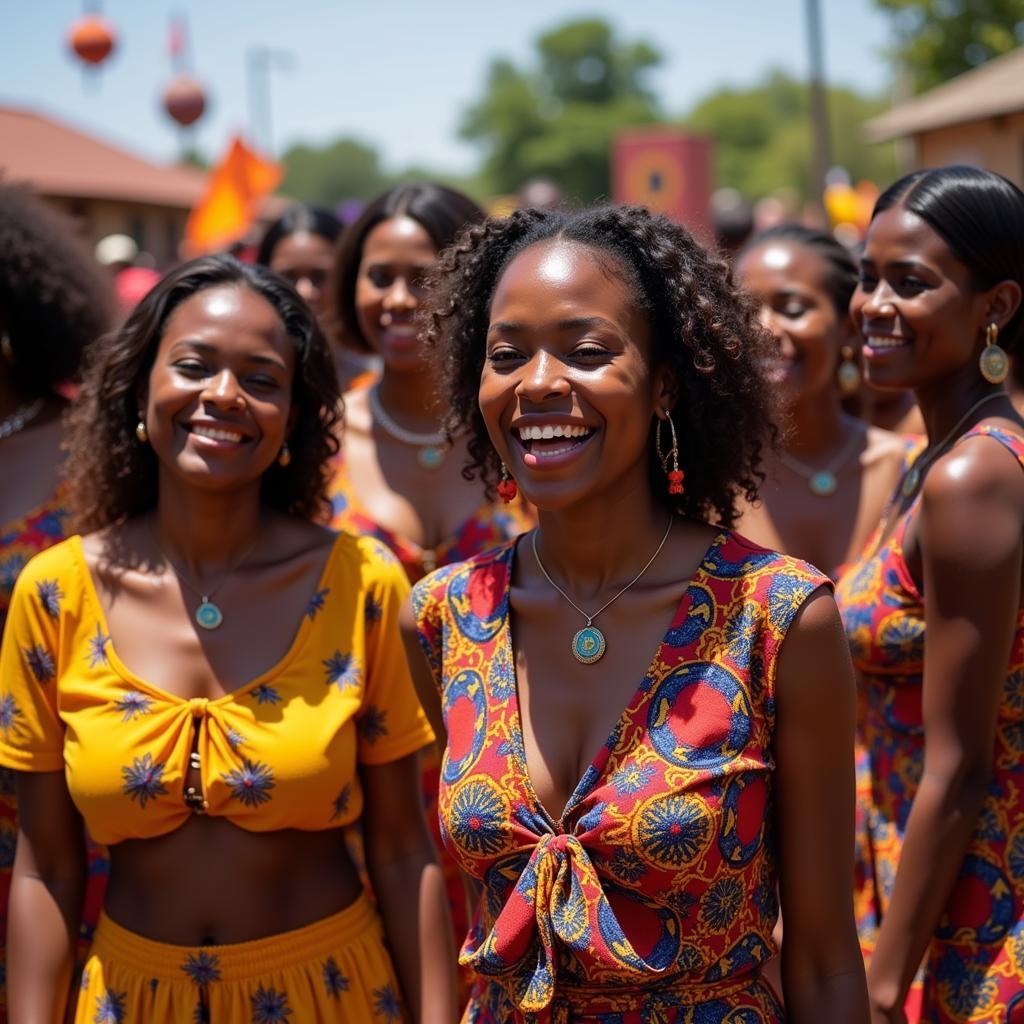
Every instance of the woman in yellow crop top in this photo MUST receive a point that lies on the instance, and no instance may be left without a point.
(215, 685)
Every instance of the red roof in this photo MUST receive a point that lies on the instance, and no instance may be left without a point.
(60, 161)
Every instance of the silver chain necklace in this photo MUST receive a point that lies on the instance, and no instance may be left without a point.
(432, 447)
(20, 418)
(822, 482)
(589, 644)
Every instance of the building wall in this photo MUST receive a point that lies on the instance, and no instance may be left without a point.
(995, 143)
(157, 230)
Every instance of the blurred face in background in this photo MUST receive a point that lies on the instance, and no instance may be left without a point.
(305, 259)
(396, 255)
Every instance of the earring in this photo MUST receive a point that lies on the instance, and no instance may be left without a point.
(993, 361)
(675, 474)
(508, 489)
(140, 430)
(6, 348)
(848, 373)
(285, 456)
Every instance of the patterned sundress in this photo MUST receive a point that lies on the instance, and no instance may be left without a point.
(974, 967)
(653, 898)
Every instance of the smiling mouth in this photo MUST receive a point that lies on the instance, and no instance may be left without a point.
(551, 440)
(882, 342)
(216, 434)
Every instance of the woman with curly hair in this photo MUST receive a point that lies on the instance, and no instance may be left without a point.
(54, 301)
(934, 608)
(214, 683)
(603, 362)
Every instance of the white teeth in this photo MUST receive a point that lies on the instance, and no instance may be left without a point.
(548, 453)
(878, 341)
(217, 435)
(549, 431)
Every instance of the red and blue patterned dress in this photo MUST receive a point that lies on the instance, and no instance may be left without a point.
(974, 966)
(19, 541)
(653, 898)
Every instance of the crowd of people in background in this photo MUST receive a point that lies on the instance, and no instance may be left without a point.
(555, 618)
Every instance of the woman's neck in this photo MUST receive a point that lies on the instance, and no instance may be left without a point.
(408, 399)
(593, 546)
(945, 402)
(206, 533)
(816, 427)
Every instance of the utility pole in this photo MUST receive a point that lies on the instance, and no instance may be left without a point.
(258, 64)
(819, 101)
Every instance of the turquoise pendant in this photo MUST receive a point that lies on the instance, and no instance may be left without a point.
(431, 456)
(588, 645)
(823, 483)
(910, 481)
(208, 615)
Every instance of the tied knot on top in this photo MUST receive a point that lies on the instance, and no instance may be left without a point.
(557, 907)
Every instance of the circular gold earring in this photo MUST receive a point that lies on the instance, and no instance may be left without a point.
(993, 361)
(848, 372)
(141, 432)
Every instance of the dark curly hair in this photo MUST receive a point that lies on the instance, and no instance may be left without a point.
(113, 477)
(702, 327)
(54, 298)
(440, 211)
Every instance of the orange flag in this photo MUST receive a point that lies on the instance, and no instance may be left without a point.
(234, 191)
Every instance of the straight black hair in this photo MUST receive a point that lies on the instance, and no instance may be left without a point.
(299, 219)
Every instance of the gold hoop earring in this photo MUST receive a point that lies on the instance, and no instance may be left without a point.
(848, 372)
(141, 432)
(993, 361)
(284, 458)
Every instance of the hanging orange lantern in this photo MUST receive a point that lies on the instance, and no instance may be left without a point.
(92, 38)
(184, 100)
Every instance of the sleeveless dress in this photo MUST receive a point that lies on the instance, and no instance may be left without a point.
(20, 540)
(653, 897)
(974, 967)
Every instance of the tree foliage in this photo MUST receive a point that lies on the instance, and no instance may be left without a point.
(557, 117)
(763, 140)
(343, 169)
(939, 39)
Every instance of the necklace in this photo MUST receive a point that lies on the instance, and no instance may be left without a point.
(589, 644)
(913, 478)
(208, 615)
(20, 418)
(822, 482)
(432, 447)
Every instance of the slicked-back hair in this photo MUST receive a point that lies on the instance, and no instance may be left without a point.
(702, 328)
(113, 477)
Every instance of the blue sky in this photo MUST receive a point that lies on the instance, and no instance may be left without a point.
(396, 73)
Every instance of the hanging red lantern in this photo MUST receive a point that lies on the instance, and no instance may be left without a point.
(184, 100)
(92, 38)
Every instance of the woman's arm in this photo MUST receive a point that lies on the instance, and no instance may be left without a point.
(970, 542)
(47, 889)
(822, 970)
(410, 890)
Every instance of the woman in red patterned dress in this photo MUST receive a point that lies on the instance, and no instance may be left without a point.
(630, 859)
(934, 609)
(54, 300)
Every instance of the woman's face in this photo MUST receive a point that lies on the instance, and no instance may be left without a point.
(218, 404)
(789, 281)
(305, 259)
(915, 306)
(567, 390)
(396, 254)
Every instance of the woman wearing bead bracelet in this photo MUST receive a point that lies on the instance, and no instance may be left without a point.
(934, 609)
(630, 862)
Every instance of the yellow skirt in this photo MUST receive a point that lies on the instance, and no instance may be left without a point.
(337, 969)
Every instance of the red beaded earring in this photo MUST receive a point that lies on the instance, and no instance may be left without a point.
(508, 489)
(675, 474)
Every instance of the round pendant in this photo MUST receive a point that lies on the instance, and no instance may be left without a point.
(431, 456)
(823, 483)
(910, 481)
(994, 364)
(209, 616)
(588, 645)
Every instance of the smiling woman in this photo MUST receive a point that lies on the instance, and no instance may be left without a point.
(214, 745)
(635, 762)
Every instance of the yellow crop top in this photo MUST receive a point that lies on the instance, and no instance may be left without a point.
(279, 752)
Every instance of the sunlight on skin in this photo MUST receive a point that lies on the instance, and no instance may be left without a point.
(778, 257)
(405, 227)
(557, 265)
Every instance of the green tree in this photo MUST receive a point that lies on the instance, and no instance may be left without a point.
(939, 39)
(557, 117)
(343, 169)
(762, 136)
